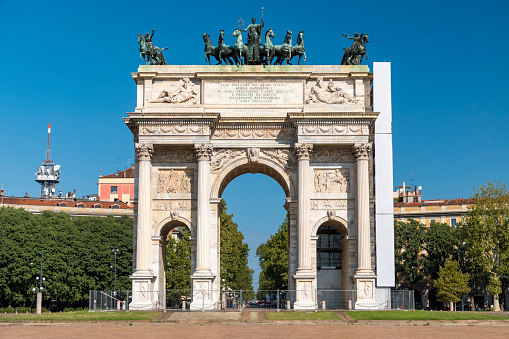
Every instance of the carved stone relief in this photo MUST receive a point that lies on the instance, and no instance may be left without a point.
(253, 153)
(333, 94)
(260, 133)
(284, 156)
(181, 205)
(222, 157)
(332, 181)
(333, 129)
(176, 155)
(327, 204)
(332, 155)
(183, 92)
(175, 181)
(176, 129)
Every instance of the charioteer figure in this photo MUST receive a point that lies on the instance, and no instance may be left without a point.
(254, 41)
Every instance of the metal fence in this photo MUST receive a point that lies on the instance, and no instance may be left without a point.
(182, 299)
(109, 301)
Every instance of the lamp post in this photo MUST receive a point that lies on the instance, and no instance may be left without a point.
(40, 279)
(115, 252)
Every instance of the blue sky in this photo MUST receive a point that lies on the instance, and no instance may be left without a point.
(68, 63)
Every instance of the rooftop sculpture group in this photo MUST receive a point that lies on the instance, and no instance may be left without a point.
(254, 52)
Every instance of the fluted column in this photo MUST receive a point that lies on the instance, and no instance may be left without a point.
(143, 229)
(304, 256)
(203, 154)
(362, 152)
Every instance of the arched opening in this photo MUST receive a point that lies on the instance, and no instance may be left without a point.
(175, 264)
(331, 261)
(258, 204)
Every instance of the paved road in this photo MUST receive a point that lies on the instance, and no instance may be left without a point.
(141, 330)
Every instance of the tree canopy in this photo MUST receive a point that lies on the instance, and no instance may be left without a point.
(77, 256)
(273, 256)
(408, 242)
(234, 252)
(451, 283)
(487, 239)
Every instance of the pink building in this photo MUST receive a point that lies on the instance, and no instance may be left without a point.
(117, 186)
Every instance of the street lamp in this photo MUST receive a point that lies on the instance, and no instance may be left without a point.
(115, 252)
(40, 279)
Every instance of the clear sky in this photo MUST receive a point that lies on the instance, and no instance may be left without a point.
(68, 63)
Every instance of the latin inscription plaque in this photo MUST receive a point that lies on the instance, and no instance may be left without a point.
(253, 92)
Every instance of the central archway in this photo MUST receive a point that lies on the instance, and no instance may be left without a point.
(286, 178)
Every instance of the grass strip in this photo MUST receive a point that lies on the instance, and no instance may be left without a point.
(83, 316)
(301, 316)
(426, 315)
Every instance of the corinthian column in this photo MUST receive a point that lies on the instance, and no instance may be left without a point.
(203, 154)
(362, 152)
(144, 227)
(304, 257)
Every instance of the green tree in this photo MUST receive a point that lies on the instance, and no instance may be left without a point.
(77, 256)
(441, 242)
(451, 283)
(488, 235)
(408, 243)
(234, 252)
(178, 261)
(273, 256)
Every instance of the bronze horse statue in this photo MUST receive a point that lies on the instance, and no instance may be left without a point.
(354, 54)
(211, 50)
(284, 51)
(299, 48)
(239, 49)
(151, 56)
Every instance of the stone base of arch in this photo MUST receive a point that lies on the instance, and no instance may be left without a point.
(305, 293)
(365, 292)
(204, 298)
(145, 297)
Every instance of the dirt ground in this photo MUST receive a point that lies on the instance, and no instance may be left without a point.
(141, 330)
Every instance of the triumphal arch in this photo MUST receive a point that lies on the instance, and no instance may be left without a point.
(310, 128)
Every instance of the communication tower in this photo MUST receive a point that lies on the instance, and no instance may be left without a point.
(48, 174)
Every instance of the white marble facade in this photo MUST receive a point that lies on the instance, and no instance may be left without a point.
(196, 128)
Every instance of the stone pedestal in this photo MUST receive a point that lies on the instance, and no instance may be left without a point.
(305, 291)
(202, 292)
(365, 292)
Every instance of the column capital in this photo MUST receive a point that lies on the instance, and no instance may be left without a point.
(203, 151)
(144, 151)
(362, 151)
(303, 151)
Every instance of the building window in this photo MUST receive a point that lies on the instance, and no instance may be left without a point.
(113, 190)
(328, 248)
(81, 205)
(453, 222)
(432, 221)
(115, 206)
(62, 204)
(98, 206)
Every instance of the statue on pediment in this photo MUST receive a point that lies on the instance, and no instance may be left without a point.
(354, 54)
(152, 55)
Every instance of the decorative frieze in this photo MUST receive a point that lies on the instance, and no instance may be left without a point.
(175, 129)
(173, 155)
(337, 129)
(256, 133)
(174, 205)
(175, 181)
(332, 155)
(332, 181)
(223, 157)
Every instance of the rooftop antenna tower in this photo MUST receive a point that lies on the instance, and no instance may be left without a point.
(48, 174)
